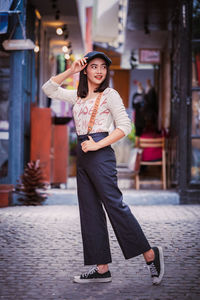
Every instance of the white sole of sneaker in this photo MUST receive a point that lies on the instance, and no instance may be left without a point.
(157, 280)
(77, 279)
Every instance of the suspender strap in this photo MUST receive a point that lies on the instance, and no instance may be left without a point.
(94, 112)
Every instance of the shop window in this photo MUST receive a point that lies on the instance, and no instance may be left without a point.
(196, 20)
(196, 44)
(195, 138)
(196, 66)
(4, 113)
(196, 113)
(195, 167)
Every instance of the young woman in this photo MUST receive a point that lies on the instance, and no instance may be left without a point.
(96, 170)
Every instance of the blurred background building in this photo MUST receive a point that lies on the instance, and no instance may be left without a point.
(151, 42)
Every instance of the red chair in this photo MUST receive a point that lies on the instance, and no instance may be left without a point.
(151, 143)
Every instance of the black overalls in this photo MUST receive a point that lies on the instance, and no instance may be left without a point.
(97, 185)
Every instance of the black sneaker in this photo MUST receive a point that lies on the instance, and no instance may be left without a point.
(156, 267)
(93, 276)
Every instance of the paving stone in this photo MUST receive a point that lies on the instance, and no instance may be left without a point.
(41, 251)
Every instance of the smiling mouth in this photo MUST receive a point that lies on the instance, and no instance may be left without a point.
(99, 77)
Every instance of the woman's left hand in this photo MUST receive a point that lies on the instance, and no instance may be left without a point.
(89, 145)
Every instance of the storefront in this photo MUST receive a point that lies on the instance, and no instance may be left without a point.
(17, 89)
(24, 69)
(185, 103)
(176, 79)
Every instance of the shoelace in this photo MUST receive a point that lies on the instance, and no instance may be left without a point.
(90, 272)
(153, 269)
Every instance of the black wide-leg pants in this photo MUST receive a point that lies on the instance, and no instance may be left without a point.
(97, 185)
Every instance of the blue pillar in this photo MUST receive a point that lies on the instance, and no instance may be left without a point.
(16, 128)
(16, 108)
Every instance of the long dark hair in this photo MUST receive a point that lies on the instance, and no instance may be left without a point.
(83, 84)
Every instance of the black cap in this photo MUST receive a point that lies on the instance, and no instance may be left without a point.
(93, 54)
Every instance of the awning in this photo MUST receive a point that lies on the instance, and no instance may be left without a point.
(109, 22)
(105, 20)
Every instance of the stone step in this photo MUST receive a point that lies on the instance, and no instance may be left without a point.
(131, 197)
(147, 195)
(124, 182)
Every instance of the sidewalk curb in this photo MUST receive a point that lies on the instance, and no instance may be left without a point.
(130, 197)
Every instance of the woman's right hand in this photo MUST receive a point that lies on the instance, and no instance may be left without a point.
(78, 65)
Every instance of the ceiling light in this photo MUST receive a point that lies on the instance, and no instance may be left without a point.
(67, 56)
(65, 49)
(36, 49)
(37, 13)
(59, 31)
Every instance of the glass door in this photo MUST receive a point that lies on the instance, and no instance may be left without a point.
(4, 114)
(195, 109)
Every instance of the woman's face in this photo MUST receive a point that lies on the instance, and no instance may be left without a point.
(96, 71)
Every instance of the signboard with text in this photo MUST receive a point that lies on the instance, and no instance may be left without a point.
(149, 56)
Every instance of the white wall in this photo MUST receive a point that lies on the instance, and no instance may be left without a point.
(81, 5)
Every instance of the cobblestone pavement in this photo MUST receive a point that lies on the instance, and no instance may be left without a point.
(41, 250)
